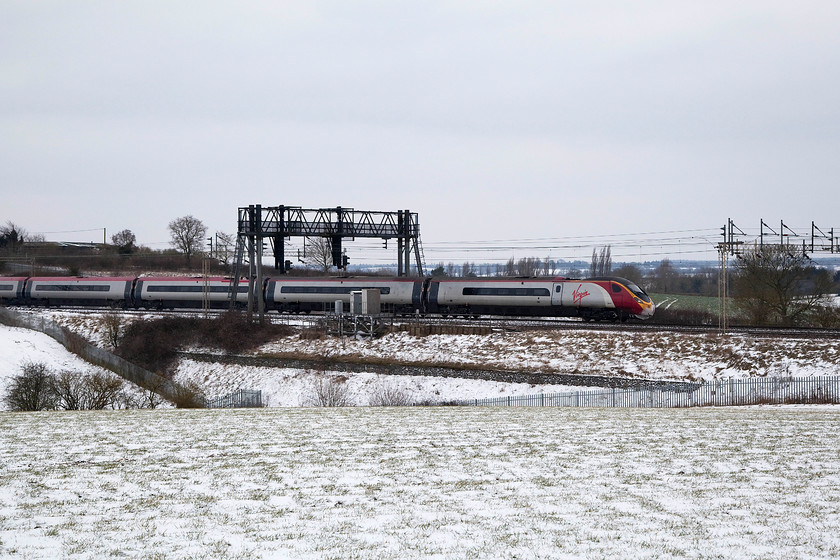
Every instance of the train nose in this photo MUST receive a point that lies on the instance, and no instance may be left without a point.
(647, 310)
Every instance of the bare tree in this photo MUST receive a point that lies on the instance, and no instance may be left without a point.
(318, 253)
(12, 236)
(125, 241)
(187, 235)
(103, 390)
(73, 390)
(68, 390)
(601, 264)
(630, 272)
(774, 284)
(510, 267)
(225, 247)
(528, 266)
(665, 277)
(112, 325)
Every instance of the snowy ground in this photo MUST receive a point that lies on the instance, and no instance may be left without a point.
(280, 386)
(672, 356)
(382, 483)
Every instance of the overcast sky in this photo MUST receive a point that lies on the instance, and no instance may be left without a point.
(553, 122)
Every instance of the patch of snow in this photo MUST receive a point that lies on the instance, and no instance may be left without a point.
(650, 355)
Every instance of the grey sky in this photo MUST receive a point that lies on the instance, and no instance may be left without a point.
(492, 120)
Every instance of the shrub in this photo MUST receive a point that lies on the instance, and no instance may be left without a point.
(38, 388)
(189, 395)
(154, 344)
(388, 393)
(31, 389)
(326, 390)
(112, 324)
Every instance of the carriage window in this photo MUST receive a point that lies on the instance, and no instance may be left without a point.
(506, 292)
(337, 290)
(7, 287)
(196, 288)
(71, 288)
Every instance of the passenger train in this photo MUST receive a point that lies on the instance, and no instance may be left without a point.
(600, 298)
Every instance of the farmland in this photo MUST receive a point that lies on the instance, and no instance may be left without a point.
(756, 482)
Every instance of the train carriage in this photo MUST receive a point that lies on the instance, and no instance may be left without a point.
(607, 298)
(465, 296)
(78, 291)
(170, 292)
(11, 289)
(303, 295)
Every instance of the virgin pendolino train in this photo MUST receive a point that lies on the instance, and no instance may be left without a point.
(606, 298)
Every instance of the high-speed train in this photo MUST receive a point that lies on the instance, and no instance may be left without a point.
(600, 298)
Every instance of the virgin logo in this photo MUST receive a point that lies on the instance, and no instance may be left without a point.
(579, 294)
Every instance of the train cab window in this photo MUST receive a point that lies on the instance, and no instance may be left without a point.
(616, 288)
(638, 292)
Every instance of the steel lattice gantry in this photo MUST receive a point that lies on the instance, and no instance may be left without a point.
(257, 223)
(275, 223)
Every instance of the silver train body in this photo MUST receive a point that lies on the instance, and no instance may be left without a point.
(606, 298)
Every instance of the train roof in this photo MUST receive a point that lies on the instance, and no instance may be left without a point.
(344, 279)
(81, 278)
(188, 279)
(502, 279)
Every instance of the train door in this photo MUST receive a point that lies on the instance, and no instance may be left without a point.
(557, 295)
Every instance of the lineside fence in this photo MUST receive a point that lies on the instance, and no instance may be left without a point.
(76, 344)
(728, 392)
(243, 398)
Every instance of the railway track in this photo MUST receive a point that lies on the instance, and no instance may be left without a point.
(510, 324)
(532, 323)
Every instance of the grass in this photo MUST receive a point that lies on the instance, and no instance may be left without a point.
(416, 483)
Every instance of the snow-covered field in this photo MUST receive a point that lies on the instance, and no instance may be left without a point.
(650, 355)
(749, 482)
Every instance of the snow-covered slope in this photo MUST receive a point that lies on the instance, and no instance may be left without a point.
(648, 355)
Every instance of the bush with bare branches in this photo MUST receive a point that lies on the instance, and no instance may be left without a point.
(326, 390)
(388, 393)
(93, 391)
(189, 395)
(39, 388)
(31, 389)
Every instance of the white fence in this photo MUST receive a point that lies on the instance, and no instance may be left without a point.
(728, 392)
